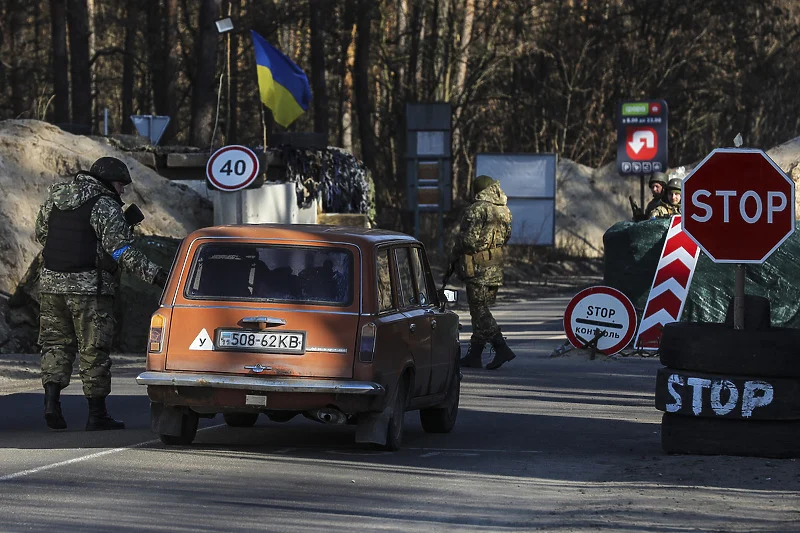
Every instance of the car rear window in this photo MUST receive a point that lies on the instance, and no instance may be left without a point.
(292, 274)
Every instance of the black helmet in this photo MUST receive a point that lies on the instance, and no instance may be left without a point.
(674, 184)
(110, 169)
(658, 177)
(481, 182)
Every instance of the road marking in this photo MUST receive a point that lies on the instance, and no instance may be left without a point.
(469, 450)
(95, 455)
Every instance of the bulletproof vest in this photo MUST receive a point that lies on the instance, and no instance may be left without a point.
(71, 241)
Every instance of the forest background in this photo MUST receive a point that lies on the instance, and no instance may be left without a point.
(521, 75)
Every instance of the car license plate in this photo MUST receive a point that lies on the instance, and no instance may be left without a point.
(291, 342)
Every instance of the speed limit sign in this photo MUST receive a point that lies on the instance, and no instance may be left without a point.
(232, 168)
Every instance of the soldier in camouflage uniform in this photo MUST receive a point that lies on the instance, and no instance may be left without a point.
(86, 240)
(657, 185)
(671, 203)
(478, 256)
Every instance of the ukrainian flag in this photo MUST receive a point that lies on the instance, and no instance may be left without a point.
(282, 85)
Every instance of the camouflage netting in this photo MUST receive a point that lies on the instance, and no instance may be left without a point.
(337, 177)
(632, 251)
(135, 303)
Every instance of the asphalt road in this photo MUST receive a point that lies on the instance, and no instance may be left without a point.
(550, 444)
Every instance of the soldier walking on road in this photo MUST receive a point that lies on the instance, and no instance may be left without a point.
(86, 238)
(478, 255)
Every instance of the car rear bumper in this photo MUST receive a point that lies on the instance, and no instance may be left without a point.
(261, 384)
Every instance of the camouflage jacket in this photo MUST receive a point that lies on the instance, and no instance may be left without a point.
(664, 210)
(114, 236)
(485, 228)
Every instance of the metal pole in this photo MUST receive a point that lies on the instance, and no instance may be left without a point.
(228, 119)
(641, 191)
(738, 298)
(105, 122)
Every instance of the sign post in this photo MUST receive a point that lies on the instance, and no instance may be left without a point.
(738, 206)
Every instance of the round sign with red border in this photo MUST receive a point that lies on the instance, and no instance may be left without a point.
(232, 168)
(602, 312)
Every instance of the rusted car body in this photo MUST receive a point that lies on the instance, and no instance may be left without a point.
(342, 325)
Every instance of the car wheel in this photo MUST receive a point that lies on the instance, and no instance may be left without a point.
(712, 436)
(442, 418)
(240, 420)
(189, 423)
(715, 348)
(394, 435)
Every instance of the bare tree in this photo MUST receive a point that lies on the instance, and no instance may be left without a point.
(204, 82)
(78, 24)
(131, 20)
(361, 67)
(318, 10)
(58, 21)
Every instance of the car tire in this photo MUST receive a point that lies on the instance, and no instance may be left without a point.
(711, 436)
(715, 348)
(240, 420)
(442, 419)
(394, 433)
(189, 422)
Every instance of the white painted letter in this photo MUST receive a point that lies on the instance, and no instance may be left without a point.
(697, 385)
(674, 379)
(743, 208)
(749, 399)
(771, 207)
(726, 204)
(702, 205)
(716, 395)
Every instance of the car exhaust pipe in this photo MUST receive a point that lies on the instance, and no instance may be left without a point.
(327, 415)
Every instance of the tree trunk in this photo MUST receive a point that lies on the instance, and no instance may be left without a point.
(233, 118)
(204, 81)
(361, 82)
(18, 74)
(170, 104)
(90, 28)
(131, 19)
(317, 13)
(346, 75)
(78, 23)
(459, 88)
(58, 18)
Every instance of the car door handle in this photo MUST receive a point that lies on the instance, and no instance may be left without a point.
(412, 328)
(433, 324)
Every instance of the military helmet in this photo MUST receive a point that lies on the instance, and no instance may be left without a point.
(658, 177)
(111, 169)
(674, 184)
(481, 182)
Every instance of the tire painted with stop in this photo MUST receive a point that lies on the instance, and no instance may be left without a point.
(710, 436)
(716, 348)
(725, 396)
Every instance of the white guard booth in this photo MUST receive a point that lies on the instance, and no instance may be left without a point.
(529, 181)
(270, 203)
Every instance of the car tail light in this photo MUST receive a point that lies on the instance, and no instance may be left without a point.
(156, 333)
(367, 352)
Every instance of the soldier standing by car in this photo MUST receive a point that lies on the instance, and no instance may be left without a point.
(478, 256)
(86, 238)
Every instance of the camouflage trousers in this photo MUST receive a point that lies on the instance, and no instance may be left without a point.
(71, 324)
(480, 297)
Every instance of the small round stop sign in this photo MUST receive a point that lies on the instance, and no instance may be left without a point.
(738, 206)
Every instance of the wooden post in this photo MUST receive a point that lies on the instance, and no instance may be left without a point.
(738, 298)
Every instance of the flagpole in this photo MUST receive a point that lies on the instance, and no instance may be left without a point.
(264, 126)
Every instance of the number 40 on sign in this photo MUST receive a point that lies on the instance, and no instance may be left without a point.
(232, 168)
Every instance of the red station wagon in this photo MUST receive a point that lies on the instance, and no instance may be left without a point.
(342, 325)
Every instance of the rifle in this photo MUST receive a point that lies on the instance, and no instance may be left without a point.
(450, 269)
(638, 212)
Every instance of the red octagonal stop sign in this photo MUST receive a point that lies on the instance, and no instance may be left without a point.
(738, 206)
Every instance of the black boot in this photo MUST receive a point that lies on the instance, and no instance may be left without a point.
(473, 357)
(52, 407)
(502, 353)
(98, 416)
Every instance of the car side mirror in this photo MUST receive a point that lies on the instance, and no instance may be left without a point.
(447, 296)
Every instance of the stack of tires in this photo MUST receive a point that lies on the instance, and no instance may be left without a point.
(730, 392)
